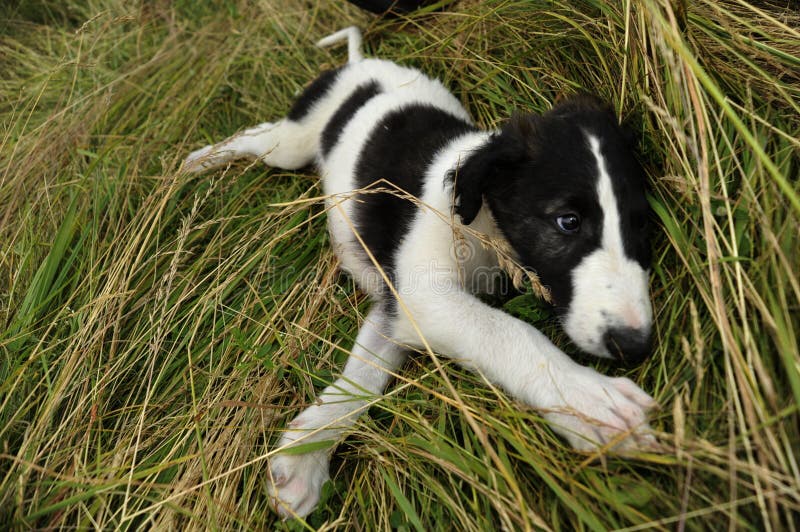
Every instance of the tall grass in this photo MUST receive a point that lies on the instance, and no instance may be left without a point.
(159, 329)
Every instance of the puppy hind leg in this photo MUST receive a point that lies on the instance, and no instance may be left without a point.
(294, 141)
(278, 144)
(296, 479)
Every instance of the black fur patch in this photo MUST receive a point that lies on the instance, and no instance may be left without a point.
(318, 88)
(400, 150)
(342, 116)
(540, 167)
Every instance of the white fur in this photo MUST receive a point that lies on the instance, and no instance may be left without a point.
(436, 307)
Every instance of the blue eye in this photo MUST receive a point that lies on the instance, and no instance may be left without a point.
(569, 223)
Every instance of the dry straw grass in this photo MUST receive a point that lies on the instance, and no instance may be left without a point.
(159, 329)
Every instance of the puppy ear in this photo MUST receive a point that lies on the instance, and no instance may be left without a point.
(470, 179)
(581, 102)
(489, 166)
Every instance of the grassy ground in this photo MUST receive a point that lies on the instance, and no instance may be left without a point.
(157, 330)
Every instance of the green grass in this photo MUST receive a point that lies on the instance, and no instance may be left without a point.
(158, 330)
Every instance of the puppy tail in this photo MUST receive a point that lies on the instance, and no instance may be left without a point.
(353, 36)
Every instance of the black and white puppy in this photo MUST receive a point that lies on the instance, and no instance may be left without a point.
(563, 189)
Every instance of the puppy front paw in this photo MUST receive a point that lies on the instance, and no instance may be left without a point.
(594, 411)
(295, 482)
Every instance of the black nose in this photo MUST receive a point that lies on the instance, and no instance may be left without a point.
(630, 346)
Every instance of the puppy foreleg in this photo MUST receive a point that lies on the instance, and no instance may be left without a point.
(589, 409)
(296, 479)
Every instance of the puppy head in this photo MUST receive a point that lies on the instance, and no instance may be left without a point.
(567, 192)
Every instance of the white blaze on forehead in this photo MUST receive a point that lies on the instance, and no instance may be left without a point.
(612, 231)
(609, 289)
